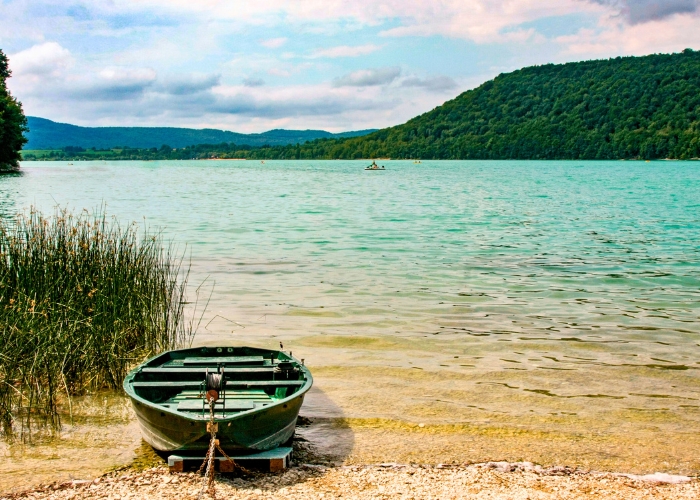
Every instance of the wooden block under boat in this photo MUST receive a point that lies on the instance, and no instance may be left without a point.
(275, 460)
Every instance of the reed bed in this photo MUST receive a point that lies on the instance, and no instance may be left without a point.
(82, 300)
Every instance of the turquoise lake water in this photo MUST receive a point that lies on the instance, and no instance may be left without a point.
(564, 287)
(598, 250)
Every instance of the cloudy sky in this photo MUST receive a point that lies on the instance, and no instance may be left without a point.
(250, 66)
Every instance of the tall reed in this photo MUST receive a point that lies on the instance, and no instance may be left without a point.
(82, 299)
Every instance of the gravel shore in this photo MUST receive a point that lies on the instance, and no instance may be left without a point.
(494, 480)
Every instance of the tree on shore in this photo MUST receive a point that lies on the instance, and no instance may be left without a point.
(13, 123)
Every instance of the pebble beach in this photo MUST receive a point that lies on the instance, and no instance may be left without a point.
(493, 480)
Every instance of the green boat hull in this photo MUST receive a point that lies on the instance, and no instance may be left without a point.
(268, 423)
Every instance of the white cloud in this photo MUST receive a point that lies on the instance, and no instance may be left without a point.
(46, 59)
(274, 43)
(482, 21)
(368, 77)
(614, 39)
(291, 102)
(521, 36)
(279, 72)
(474, 19)
(345, 51)
(111, 84)
(642, 11)
(117, 96)
(189, 84)
(253, 82)
(433, 84)
(128, 75)
(177, 62)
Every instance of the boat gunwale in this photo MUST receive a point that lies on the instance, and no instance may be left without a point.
(308, 382)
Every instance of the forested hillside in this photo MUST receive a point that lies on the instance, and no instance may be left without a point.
(630, 107)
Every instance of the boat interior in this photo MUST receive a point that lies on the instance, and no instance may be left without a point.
(238, 379)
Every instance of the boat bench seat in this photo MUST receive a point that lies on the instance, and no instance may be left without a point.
(236, 400)
(228, 405)
(202, 370)
(224, 360)
(230, 394)
(264, 383)
(229, 383)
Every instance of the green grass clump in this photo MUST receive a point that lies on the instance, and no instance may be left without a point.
(82, 299)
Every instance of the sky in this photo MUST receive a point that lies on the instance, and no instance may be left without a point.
(336, 65)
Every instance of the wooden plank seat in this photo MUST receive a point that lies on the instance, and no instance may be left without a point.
(257, 395)
(229, 383)
(227, 405)
(252, 397)
(224, 360)
(264, 383)
(211, 363)
(202, 370)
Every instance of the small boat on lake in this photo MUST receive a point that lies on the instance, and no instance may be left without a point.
(374, 166)
(257, 394)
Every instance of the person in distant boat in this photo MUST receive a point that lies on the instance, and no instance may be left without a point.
(374, 165)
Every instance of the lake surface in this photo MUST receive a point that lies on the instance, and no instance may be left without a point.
(490, 301)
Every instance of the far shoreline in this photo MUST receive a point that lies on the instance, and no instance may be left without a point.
(421, 160)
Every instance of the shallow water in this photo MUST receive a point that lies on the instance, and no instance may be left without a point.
(103, 434)
(558, 297)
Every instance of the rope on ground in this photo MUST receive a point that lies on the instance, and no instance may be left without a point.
(212, 427)
(208, 463)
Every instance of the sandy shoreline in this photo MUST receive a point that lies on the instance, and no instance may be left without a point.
(325, 466)
(332, 457)
(492, 480)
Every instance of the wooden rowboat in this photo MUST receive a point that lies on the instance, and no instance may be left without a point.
(257, 395)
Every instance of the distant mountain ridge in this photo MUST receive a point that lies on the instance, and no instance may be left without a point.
(47, 134)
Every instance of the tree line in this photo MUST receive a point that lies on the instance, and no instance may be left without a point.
(13, 123)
